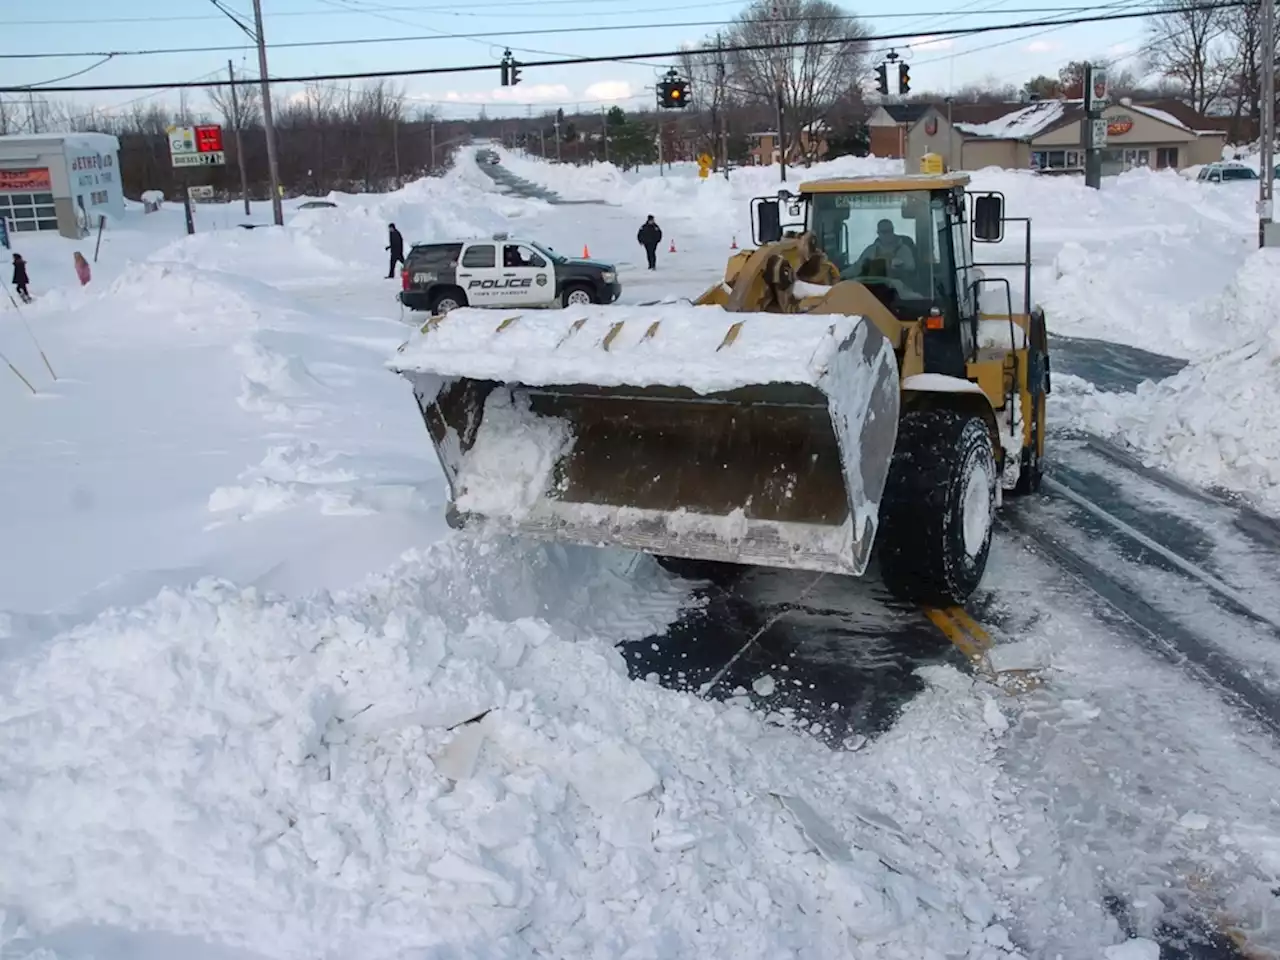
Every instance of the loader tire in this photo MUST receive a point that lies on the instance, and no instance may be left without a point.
(937, 509)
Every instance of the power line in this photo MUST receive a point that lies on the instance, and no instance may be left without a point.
(350, 41)
(614, 58)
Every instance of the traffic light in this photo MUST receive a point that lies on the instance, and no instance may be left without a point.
(673, 93)
(882, 79)
(510, 70)
(904, 79)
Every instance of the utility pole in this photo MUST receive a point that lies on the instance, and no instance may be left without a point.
(722, 98)
(235, 118)
(1095, 128)
(433, 146)
(1267, 236)
(782, 135)
(273, 168)
(31, 101)
(395, 146)
(542, 140)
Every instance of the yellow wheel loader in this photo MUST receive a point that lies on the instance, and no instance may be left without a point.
(841, 388)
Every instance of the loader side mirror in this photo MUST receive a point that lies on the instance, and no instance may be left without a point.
(988, 218)
(768, 221)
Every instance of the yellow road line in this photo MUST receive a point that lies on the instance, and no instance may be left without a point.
(961, 629)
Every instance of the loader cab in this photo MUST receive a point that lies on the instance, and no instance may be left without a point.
(908, 239)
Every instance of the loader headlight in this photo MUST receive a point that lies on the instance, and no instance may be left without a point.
(608, 276)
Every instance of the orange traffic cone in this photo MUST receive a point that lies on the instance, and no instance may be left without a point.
(585, 252)
(673, 247)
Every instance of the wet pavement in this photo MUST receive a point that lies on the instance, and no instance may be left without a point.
(487, 160)
(1109, 366)
(836, 656)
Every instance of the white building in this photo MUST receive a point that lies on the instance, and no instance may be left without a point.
(59, 181)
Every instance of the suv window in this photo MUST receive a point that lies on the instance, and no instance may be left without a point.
(518, 255)
(480, 255)
(435, 254)
(1238, 173)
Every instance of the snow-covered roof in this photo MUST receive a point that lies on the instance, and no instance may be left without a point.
(1021, 124)
(79, 141)
(1162, 115)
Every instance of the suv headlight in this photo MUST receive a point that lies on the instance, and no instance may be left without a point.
(608, 276)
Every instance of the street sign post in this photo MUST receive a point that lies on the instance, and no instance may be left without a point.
(197, 146)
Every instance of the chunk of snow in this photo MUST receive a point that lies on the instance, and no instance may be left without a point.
(1137, 948)
(1194, 821)
(764, 686)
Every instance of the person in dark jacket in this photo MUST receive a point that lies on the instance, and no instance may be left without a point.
(396, 246)
(20, 278)
(649, 236)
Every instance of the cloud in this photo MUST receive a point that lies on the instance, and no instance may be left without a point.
(1040, 46)
(609, 90)
(1120, 49)
(932, 43)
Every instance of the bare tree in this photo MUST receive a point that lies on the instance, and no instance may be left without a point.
(1186, 43)
(824, 60)
(246, 110)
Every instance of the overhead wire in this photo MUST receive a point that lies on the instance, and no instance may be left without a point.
(664, 54)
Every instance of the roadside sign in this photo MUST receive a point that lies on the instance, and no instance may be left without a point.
(199, 159)
(202, 192)
(199, 146)
(1099, 138)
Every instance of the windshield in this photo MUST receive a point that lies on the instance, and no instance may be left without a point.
(548, 252)
(1238, 173)
(894, 242)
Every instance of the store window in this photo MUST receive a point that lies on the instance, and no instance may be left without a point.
(1166, 157)
(1058, 160)
(28, 212)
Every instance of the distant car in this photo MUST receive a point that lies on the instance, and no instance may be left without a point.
(501, 272)
(1227, 170)
(316, 204)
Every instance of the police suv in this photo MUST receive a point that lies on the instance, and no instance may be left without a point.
(501, 272)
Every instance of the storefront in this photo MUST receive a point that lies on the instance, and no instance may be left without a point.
(59, 181)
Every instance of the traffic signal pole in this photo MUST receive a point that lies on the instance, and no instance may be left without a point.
(1267, 234)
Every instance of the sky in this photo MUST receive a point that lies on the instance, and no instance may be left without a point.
(79, 26)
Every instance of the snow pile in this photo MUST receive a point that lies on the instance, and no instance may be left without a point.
(678, 193)
(704, 348)
(1213, 423)
(439, 763)
(509, 465)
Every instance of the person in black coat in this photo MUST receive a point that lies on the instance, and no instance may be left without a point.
(20, 278)
(649, 236)
(396, 246)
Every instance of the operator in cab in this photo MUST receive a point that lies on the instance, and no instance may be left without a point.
(897, 252)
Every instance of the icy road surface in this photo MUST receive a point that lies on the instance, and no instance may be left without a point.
(258, 701)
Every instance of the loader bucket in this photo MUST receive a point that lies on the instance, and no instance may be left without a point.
(675, 429)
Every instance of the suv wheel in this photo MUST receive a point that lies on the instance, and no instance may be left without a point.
(577, 297)
(448, 300)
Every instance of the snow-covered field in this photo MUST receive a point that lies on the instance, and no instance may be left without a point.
(258, 701)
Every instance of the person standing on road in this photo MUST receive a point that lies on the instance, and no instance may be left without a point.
(396, 246)
(20, 279)
(649, 236)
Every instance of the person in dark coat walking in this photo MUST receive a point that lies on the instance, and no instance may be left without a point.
(396, 246)
(20, 278)
(649, 236)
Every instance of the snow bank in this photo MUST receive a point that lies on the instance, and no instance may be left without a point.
(441, 763)
(680, 193)
(1213, 423)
